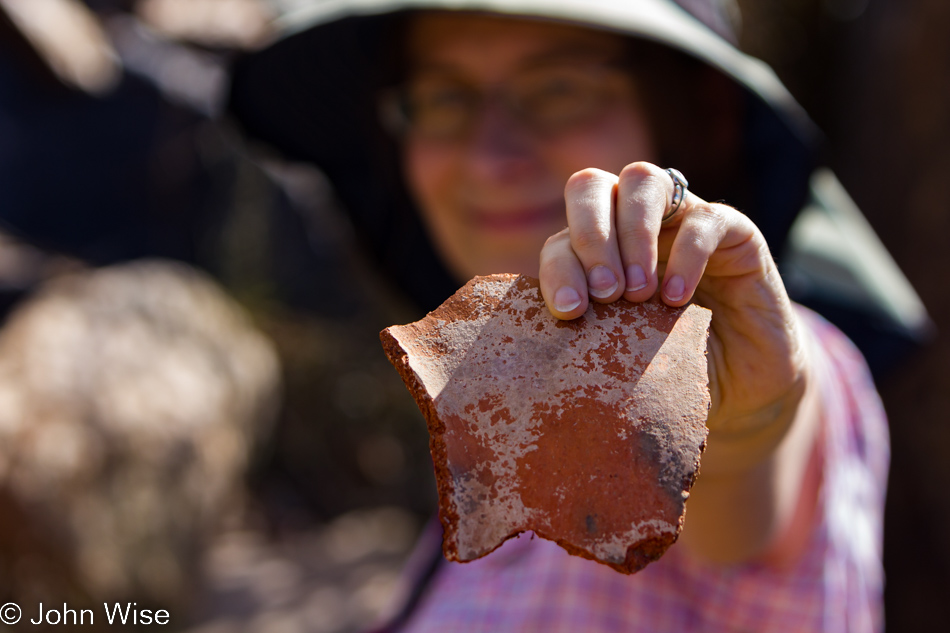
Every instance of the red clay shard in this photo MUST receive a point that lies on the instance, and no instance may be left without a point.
(588, 432)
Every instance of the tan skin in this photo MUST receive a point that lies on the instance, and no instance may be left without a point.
(499, 199)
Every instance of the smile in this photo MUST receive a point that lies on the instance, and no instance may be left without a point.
(518, 219)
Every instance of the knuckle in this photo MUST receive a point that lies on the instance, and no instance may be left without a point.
(586, 177)
(698, 242)
(556, 246)
(646, 184)
(635, 233)
(588, 239)
(740, 219)
(712, 217)
(558, 238)
(640, 170)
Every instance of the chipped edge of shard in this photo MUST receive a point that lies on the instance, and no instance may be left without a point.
(458, 303)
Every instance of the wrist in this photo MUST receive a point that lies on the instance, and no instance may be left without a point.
(743, 438)
(743, 442)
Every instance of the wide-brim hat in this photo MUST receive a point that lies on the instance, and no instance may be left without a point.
(311, 96)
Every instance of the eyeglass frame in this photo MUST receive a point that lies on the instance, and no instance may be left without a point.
(393, 109)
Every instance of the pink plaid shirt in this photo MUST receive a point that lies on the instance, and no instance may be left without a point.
(836, 587)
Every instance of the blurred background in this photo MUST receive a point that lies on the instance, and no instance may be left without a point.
(195, 412)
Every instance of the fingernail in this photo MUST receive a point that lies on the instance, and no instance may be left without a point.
(601, 282)
(566, 299)
(675, 288)
(636, 277)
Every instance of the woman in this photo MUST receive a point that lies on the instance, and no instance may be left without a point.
(519, 144)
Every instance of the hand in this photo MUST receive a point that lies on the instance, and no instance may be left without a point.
(758, 489)
(615, 246)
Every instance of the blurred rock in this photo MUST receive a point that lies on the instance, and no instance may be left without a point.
(241, 24)
(339, 577)
(70, 39)
(24, 266)
(131, 398)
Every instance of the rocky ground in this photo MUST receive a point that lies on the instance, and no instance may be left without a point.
(337, 578)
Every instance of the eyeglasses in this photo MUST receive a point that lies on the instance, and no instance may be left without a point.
(547, 100)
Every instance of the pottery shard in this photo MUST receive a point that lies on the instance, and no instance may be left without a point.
(586, 432)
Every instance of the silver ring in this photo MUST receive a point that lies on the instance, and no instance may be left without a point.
(680, 187)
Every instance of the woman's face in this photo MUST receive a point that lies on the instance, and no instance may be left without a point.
(503, 112)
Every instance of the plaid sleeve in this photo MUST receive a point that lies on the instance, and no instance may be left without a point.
(856, 464)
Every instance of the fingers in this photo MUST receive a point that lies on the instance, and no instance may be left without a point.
(563, 283)
(701, 230)
(712, 241)
(590, 197)
(643, 195)
(615, 242)
(583, 262)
